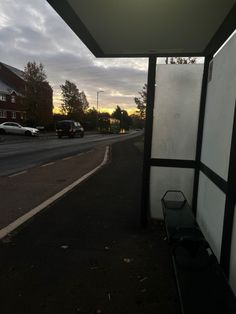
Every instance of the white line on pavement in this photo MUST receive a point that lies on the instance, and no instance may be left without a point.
(17, 174)
(15, 224)
(46, 165)
(67, 158)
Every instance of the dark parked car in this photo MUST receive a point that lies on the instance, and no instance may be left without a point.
(69, 128)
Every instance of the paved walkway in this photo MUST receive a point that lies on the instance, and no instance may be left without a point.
(87, 254)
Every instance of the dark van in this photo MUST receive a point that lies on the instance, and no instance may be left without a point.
(69, 128)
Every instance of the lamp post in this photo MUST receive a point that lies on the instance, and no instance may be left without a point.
(121, 119)
(98, 92)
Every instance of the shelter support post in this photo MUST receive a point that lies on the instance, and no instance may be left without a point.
(145, 204)
(200, 132)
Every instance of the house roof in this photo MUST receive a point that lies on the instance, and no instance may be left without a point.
(6, 89)
(129, 28)
(16, 71)
(6, 85)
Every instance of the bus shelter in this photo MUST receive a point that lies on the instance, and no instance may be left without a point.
(190, 133)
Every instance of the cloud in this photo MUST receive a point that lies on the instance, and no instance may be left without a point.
(32, 30)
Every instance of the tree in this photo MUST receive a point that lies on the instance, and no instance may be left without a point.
(123, 116)
(141, 102)
(116, 114)
(90, 119)
(74, 102)
(37, 95)
(104, 115)
(137, 122)
(83, 101)
(181, 60)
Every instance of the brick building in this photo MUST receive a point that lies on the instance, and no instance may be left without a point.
(12, 85)
(12, 102)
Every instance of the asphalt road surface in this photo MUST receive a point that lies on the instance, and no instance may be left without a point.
(21, 153)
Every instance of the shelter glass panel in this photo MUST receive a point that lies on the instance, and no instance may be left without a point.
(176, 111)
(232, 274)
(220, 106)
(168, 178)
(210, 212)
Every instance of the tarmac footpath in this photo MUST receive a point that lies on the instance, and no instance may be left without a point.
(86, 253)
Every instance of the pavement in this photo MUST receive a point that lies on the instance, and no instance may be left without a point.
(86, 253)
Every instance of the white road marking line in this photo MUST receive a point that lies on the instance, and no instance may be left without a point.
(46, 165)
(15, 224)
(17, 174)
(80, 154)
(66, 158)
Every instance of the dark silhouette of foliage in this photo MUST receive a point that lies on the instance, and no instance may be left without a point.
(123, 116)
(90, 119)
(137, 122)
(141, 102)
(37, 95)
(74, 103)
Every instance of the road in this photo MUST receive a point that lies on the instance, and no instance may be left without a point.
(24, 153)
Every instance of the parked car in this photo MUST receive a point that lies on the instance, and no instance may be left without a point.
(16, 128)
(69, 128)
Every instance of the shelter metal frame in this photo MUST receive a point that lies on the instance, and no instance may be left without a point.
(228, 187)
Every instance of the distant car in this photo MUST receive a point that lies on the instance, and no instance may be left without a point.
(69, 128)
(16, 128)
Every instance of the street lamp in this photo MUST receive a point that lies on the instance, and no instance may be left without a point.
(98, 92)
(122, 130)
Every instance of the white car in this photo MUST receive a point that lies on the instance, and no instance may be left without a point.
(15, 128)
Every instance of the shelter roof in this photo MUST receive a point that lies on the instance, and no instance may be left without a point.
(129, 28)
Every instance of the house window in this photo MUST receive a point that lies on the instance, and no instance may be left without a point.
(13, 98)
(13, 115)
(3, 114)
(3, 97)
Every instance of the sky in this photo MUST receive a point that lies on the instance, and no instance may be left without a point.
(33, 31)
